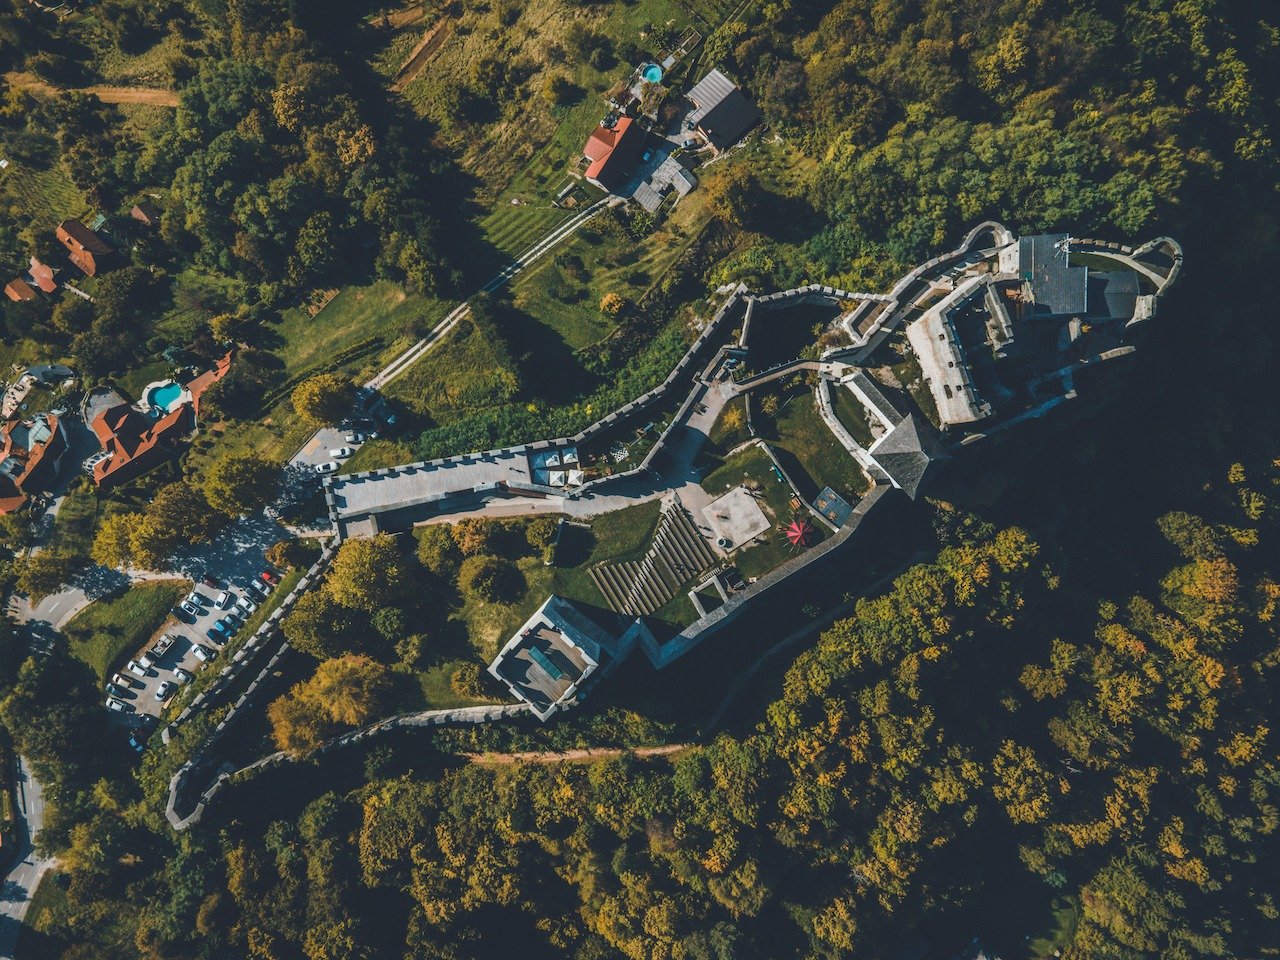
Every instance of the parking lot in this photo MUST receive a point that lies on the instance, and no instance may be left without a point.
(186, 636)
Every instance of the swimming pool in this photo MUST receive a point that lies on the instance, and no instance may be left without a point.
(164, 396)
(652, 72)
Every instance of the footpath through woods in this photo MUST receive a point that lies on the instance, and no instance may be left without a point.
(107, 93)
(585, 755)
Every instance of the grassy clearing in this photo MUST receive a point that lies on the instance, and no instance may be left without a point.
(133, 382)
(376, 454)
(513, 229)
(108, 631)
(457, 377)
(809, 452)
(78, 518)
(753, 468)
(909, 373)
(730, 428)
(198, 297)
(37, 194)
(852, 414)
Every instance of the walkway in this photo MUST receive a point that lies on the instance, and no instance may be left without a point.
(586, 755)
(28, 868)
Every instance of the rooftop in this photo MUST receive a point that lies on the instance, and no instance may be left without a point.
(1051, 286)
(548, 659)
(721, 110)
(611, 149)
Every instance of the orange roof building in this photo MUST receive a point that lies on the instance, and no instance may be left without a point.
(31, 452)
(42, 276)
(145, 212)
(19, 290)
(612, 151)
(136, 439)
(87, 250)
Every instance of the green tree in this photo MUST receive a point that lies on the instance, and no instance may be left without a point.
(41, 574)
(239, 483)
(437, 550)
(319, 625)
(490, 578)
(368, 574)
(325, 398)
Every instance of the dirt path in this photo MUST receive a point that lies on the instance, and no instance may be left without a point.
(402, 18)
(422, 54)
(104, 92)
(587, 755)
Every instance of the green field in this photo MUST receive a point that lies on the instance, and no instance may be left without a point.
(376, 454)
(458, 376)
(852, 415)
(808, 451)
(37, 195)
(108, 631)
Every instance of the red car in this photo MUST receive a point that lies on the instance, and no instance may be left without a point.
(269, 577)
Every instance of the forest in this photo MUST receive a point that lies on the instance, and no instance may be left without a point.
(1055, 734)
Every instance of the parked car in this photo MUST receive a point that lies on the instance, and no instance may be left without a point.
(260, 588)
(190, 609)
(165, 688)
(181, 613)
(268, 577)
(145, 660)
(224, 600)
(341, 453)
(328, 467)
(196, 598)
(119, 706)
(115, 691)
(203, 654)
(120, 681)
(247, 605)
(215, 635)
(184, 676)
(689, 144)
(354, 438)
(135, 742)
(229, 624)
(162, 645)
(137, 669)
(209, 580)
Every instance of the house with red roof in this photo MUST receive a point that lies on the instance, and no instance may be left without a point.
(612, 150)
(19, 290)
(138, 437)
(31, 452)
(87, 250)
(42, 276)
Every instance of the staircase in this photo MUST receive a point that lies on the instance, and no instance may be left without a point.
(678, 554)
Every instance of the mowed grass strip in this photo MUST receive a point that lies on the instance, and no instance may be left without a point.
(108, 631)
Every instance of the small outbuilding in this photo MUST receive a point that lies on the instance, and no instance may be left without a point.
(145, 212)
(18, 290)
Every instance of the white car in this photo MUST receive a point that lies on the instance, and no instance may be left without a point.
(341, 453)
(203, 654)
(119, 706)
(164, 689)
(183, 676)
(137, 669)
(245, 604)
(262, 587)
(354, 438)
(224, 600)
(195, 598)
(146, 660)
(120, 681)
(330, 467)
(162, 645)
(190, 609)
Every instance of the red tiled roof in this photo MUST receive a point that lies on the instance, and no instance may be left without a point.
(611, 150)
(18, 290)
(200, 384)
(73, 231)
(43, 276)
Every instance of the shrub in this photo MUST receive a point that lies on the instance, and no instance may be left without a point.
(469, 681)
(474, 535)
(490, 579)
(437, 550)
(541, 532)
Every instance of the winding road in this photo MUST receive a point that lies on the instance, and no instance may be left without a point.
(24, 876)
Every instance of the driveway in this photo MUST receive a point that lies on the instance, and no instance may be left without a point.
(27, 868)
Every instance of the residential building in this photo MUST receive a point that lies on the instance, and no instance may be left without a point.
(42, 276)
(31, 452)
(146, 213)
(19, 290)
(722, 114)
(86, 249)
(136, 438)
(612, 149)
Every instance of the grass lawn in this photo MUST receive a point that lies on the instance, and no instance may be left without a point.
(754, 468)
(78, 518)
(809, 452)
(376, 454)
(198, 297)
(461, 375)
(730, 428)
(136, 379)
(852, 414)
(36, 194)
(108, 631)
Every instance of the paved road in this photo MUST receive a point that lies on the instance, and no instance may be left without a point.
(25, 873)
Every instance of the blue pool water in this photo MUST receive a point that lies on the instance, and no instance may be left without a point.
(652, 73)
(163, 396)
